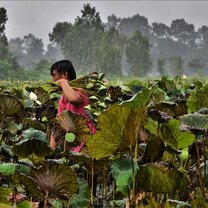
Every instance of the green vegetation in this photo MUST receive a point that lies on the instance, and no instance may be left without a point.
(150, 149)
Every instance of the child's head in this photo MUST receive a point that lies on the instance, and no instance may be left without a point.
(63, 69)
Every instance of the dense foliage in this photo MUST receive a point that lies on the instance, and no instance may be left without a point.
(150, 149)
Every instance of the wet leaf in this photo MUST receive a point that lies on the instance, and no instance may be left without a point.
(55, 178)
(33, 142)
(119, 127)
(10, 105)
(160, 179)
(122, 173)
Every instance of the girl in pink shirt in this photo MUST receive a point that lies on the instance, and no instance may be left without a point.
(71, 100)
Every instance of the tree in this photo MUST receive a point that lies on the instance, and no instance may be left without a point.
(108, 52)
(128, 26)
(90, 19)
(203, 31)
(160, 29)
(33, 48)
(138, 54)
(176, 65)
(160, 66)
(3, 39)
(195, 66)
(183, 31)
(16, 48)
(3, 19)
(113, 21)
(79, 40)
(53, 52)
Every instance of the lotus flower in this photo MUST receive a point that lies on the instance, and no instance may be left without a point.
(33, 97)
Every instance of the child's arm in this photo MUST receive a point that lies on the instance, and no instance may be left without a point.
(69, 93)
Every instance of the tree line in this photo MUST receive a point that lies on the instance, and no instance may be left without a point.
(122, 46)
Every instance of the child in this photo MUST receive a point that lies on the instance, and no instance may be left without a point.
(62, 71)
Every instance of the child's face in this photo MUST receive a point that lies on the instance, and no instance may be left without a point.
(56, 76)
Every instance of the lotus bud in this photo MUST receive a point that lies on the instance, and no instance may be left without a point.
(33, 97)
(184, 76)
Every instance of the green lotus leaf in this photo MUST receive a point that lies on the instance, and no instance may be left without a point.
(72, 123)
(29, 123)
(11, 168)
(85, 160)
(141, 99)
(158, 95)
(176, 137)
(199, 202)
(54, 178)
(160, 179)
(177, 203)
(5, 150)
(33, 142)
(198, 99)
(167, 85)
(119, 127)
(10, 105)
(204, 169)
(171, 134)
(83, 198)
(122, 173)
(7, 168)
(3, 197)
(70, 137)
(195, 120)
(154, 150)
(172, 108)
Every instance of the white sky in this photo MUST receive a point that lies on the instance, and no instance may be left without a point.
(39, 17)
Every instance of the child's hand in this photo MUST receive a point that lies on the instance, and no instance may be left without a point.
(62, 82)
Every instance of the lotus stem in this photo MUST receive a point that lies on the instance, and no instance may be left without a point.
(199, 170)
(92, 179)
(46, 200)
(205, 158)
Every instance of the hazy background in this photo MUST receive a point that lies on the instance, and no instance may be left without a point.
(39, 17)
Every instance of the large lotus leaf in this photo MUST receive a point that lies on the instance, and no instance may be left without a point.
(119, 127)
(204, 169)
(53, 178)
(10, 105)
(195, 120)
(29, 123)
(167, 84)
(3, 197)
(33, 142)
(158, 95)
(141, 99)
(11, 168)
(122, 173)
(170, 133)
(80, 82)
(199, 202)
(198, 99)
(173, 109)
(76, 124)
(83, 198)
(159, 179)
(5, 151)
(85, 160)
(154, 150)
(7, 168)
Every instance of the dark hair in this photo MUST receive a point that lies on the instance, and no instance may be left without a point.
(63, 66)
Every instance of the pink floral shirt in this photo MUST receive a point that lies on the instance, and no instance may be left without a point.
(77, 109)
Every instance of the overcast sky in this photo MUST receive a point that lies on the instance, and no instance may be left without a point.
(39, 17)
